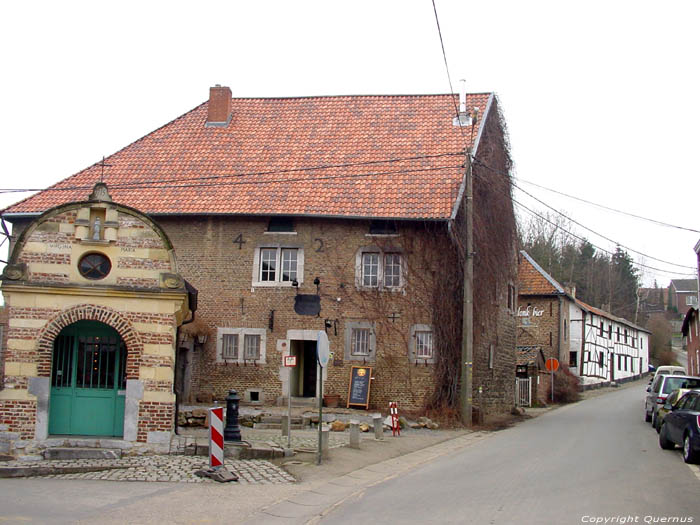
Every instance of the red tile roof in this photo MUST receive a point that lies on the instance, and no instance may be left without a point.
(533, 280)
(273, 158)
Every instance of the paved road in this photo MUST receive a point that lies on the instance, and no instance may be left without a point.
(593, 459)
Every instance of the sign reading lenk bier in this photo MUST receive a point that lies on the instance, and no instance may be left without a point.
(360, 382)
(530, 311)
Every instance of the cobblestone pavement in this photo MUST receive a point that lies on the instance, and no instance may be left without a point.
(165, 468)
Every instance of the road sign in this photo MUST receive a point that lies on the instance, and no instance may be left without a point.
(323, 349)
(290, 360)
(552, 364)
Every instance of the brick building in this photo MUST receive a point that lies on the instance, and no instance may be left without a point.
(595, 345)
(295, 215)
(683, 295)
(691, 329)
(691, 335)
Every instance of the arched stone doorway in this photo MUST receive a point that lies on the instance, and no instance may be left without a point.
(88, 381)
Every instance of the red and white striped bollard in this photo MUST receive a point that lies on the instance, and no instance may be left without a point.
(216, 437)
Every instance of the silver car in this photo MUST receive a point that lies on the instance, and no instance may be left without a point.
(659, 390)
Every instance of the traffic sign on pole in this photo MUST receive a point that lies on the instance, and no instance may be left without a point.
(552, 364)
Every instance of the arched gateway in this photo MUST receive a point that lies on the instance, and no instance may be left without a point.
(94, 300)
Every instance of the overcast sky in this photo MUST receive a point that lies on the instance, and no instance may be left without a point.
(602, 99)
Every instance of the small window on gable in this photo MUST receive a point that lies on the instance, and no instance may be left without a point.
(379, 227)
(281, 225)
(512, 300)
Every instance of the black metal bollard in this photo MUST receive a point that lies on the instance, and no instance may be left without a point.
(232, 432)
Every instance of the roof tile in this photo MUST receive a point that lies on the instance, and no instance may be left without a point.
(291, 156)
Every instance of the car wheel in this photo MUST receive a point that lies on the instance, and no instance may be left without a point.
(664, 442)
(655, 421)
(647, 415)
(689, 456)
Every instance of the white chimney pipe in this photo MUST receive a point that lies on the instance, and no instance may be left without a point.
(463, 96)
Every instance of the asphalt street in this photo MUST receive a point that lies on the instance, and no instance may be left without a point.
(591, 462)
(594, 459)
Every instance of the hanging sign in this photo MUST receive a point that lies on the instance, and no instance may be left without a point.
(360, 382)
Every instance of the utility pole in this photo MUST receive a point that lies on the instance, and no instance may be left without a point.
(468, 301)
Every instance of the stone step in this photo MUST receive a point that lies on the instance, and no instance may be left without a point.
(82, 453)
(278, 420)
(276, 426)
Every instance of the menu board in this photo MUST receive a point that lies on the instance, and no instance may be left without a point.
(358, 392)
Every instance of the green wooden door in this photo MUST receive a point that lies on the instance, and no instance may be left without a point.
(88, 381)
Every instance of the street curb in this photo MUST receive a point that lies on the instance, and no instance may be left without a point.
(43, 470)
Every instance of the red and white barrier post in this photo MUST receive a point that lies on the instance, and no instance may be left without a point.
(216, 437)
(394, 411)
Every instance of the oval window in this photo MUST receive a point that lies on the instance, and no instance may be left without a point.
(94, 266)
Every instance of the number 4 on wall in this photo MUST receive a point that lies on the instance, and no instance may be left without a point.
(239, 241)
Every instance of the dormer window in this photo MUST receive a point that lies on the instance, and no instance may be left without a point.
(281, 225)
(381, 227)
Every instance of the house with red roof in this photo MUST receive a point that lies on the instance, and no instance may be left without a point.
(214, 250)
(591, 343)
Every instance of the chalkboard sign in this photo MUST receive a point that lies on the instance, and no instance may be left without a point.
(358, 392)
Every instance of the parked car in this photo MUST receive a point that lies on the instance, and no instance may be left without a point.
(666, 370)
(659, 390)
(671, 401)
(681, 426)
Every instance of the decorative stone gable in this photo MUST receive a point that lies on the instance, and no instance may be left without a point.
(109, 265)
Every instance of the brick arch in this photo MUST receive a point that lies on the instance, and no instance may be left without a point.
(89, 312)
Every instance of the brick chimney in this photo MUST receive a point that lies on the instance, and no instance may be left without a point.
(219, 107)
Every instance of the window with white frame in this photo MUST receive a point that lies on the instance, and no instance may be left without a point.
(359, 345)
(229, 347)
(379, 269)
(240, 345)
(370, 270)
(392, 270)
(278, 265)
(360, 341)
(421, 344)
(424, 345)
(251, 347)
(691, 300)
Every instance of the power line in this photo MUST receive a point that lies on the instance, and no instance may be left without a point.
(141, 183)
(479, 163)
(447, 69)
(601, 235)
(660, 223)
(595, 246)
(150, 185)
